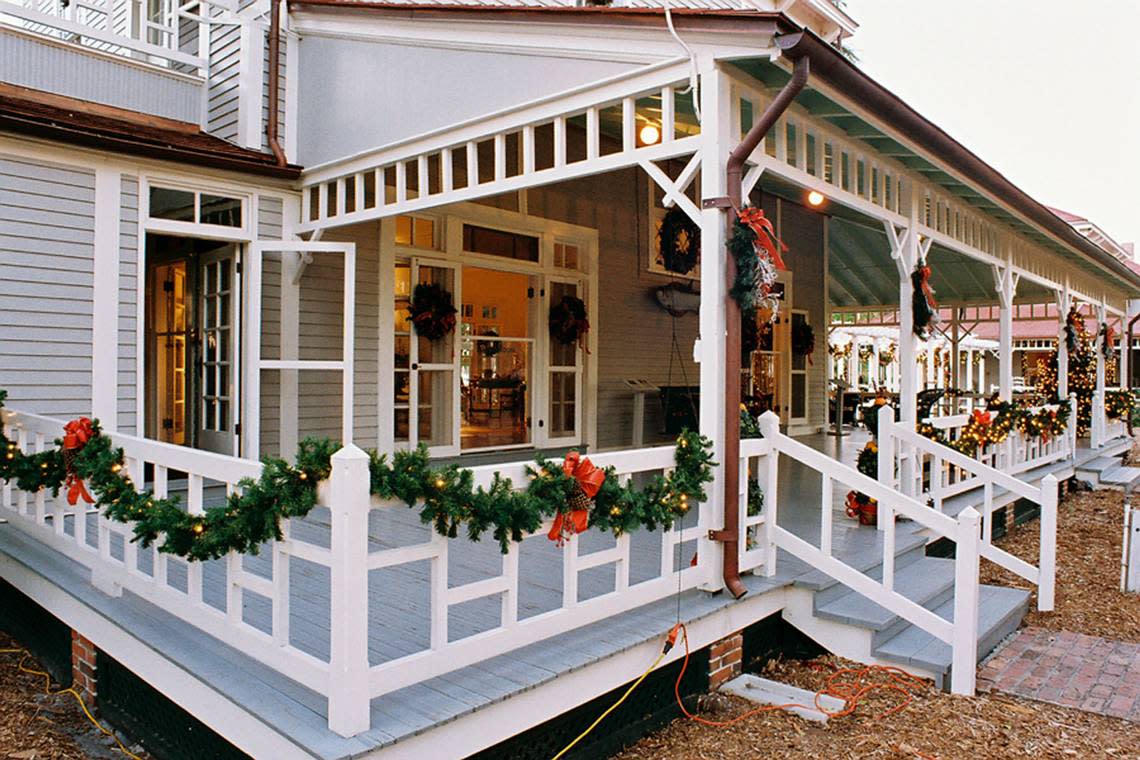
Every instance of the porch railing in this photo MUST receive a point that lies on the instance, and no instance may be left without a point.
(961, 632)
(171, 33)
(1102, 429)
(1018, 453)
(341, 545)
(932, 473)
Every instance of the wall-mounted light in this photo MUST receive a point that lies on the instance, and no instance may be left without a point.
(815, 199)
(649, 135)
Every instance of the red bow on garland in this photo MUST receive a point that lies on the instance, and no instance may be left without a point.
(982, 418)
(765, 234)
(924, 282)
(590, 479)
(76, 434)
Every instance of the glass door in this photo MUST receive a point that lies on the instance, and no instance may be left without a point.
(433, 367)
(563, 409)
(217, 344)
(798, 363)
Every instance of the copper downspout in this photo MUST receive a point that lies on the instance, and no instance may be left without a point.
(274, 82)
(734, 172)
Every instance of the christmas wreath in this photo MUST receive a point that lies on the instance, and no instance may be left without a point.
(887, 355)
(923, 305)
(1074, 326)
(757, 253)
(568, 322)
(680, 242)
(490, 348)
(803, 340)
(432, 311)
(1107, 335)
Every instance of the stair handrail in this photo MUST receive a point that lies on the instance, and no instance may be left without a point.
(961, 633)
(1046, 496)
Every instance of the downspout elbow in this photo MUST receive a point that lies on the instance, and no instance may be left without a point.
(734, 172)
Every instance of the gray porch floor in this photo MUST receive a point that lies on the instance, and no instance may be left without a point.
(400, 617)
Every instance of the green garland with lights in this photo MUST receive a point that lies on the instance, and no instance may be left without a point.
(994, 424)
(1118, 405)
(447, 496)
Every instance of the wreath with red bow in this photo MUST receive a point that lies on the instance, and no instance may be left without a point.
(432, 311)
(568, 322)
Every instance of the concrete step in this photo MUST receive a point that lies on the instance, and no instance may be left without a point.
(1000, 612)
(767, 692)
(928, 582)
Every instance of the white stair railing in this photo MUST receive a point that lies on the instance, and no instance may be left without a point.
(940, 472)
(961, 633)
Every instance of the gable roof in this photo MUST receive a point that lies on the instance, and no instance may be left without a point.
(77, 122)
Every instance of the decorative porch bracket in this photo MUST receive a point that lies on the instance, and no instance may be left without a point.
(675, 191)
(1005, 285)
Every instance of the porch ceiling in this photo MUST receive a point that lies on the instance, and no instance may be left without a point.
(862, 273)
(824, 108)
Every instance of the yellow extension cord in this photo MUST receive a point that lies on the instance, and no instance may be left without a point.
(72, 692)
(612, 707)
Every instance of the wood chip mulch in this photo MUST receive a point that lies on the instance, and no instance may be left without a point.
(1089, 536)
(934, 725)
(35, 726)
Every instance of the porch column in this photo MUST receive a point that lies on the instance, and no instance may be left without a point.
(955, 370)
(1064, 303)
(714, 312)
(1101, 318)
(905, 251)
(875, 364)
(105, 301)
(968, 383)
(1006, 286)
(981, 388)
(852, 366)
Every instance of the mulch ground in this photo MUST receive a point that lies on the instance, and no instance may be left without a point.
(36, 726)
(1089, 536)
(939, 725)
(933, 725)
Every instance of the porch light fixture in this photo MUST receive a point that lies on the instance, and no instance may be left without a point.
(815, 199)
(649, 135)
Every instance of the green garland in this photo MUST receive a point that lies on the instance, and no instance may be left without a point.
(1118, 405)
(994, 425)
(447, 496)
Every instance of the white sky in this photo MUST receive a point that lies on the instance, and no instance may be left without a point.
(1045, 91)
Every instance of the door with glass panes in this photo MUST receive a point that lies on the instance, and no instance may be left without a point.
(218, 308)
(563, 390)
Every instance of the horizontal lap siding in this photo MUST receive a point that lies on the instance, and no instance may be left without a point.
(269, 226)
(46, 284)
(222, 96)
(128, 305)
(634, 334)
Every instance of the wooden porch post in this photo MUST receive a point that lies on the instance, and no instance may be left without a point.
(715, 146)
(955, 353)
(1064, 303)
(1005, 282)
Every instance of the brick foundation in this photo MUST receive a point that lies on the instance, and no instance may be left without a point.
(83, 668)
(726, 659)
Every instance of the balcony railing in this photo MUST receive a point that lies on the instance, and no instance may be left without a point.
(167, 33)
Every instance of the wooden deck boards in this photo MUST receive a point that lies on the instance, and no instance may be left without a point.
(400, 612)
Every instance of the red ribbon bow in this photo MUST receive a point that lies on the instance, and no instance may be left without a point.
(76, 434)
(765, 234)
(924, 283)
(982, 418)
(590, 479)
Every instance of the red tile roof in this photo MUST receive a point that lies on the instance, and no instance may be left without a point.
(78, 122)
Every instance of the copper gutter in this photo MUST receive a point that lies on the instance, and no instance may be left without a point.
(274, 82)
(734, 171)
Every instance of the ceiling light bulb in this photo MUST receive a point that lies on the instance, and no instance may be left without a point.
(649, 135)
(815, 198)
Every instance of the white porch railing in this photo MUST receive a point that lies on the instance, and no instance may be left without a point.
(162, 32)
(932, 473)
(1102, 429)
(1019, 453)
(962, 632)
(350, 551)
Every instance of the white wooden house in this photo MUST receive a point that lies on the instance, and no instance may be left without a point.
(212, 215)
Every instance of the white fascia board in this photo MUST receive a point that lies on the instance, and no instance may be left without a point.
(547, 39)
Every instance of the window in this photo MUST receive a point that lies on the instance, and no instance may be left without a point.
(415, 231)
(567, 256)
(190, 206)
(507, 245)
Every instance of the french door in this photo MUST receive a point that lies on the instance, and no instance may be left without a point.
(560, 423)
(428, 388)
(218, 310)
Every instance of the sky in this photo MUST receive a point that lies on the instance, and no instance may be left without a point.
(1045, 91)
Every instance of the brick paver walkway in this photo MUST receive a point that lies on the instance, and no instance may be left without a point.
(1071, 669)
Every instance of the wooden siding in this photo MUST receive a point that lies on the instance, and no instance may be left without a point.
(222, 95)
(47, 220)
(634, 334)
(269, 227)
(802, 231)
(128, 305)
(40, 64)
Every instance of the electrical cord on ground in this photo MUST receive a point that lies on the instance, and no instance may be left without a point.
(78, 698)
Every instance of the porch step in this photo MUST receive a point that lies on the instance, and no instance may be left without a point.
(928, 581)
(1000, 611)
(909, 548)
(1120, 476)
(1094, 469)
